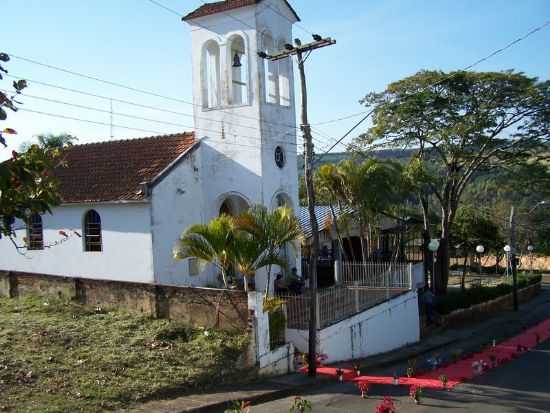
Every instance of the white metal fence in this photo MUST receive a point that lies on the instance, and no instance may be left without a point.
(376, 274)
(334, 304)
(361, 286)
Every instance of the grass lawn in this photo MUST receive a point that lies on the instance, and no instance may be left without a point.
(62, 357)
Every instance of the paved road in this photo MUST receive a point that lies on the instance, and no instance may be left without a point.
(520, 386)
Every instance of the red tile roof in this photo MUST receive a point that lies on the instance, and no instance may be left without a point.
(221, 6)
(114, 171)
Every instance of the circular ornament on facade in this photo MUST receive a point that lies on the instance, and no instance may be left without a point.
(279, 157)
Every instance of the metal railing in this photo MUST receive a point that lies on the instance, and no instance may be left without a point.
(361, 286)
(334, 304)
(376, 274)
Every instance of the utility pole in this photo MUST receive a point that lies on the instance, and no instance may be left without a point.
(513, 261)
(299, 50)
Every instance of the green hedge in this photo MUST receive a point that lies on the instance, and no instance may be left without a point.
(455, 300)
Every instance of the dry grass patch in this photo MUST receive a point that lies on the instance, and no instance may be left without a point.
(62, 357)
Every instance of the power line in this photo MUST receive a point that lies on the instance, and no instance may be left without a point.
(60, 116)
(126, 115)
(496, 52)
(135, 89)
(162, 6)
(127, 102)
(344, 136)
(354, 115)
(509, 45)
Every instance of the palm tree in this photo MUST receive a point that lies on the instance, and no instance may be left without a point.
(329, 183)
(213, 242)
(248, 243)
(250, 256)
(271, 232)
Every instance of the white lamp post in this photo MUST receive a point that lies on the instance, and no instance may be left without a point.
(507, 251)
(530, 249)
(433, 246)
(480, 249)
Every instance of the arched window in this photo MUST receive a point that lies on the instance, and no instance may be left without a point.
(35, 233)
(210, 83)
(238, 59)
(92, 231)
(271, 81)
(233, 205)
(284, 77)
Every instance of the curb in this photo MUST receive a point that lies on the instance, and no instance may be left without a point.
(268, 396)
(271, 395)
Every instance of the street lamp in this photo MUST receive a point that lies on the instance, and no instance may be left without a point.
(530, 249)
(507, 250)
(433, 246)
(480, 249)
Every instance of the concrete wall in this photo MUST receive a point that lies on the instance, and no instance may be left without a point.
(126, 236)
(388, 326)
(203, 307)
(270, 362)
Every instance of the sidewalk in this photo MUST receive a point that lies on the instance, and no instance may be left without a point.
(469, 338)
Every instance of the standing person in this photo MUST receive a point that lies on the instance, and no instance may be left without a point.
(428, 301)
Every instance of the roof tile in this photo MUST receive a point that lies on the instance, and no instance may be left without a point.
(222, 6)
(115, 170)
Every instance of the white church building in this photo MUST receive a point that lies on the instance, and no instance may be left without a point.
(125, 203)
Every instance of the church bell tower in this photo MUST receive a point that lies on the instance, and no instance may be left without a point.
(244, 110)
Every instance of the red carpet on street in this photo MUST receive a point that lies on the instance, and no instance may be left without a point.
(460, 371)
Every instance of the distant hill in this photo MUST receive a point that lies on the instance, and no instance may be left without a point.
(333, 158)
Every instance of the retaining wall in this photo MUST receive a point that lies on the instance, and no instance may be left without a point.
(388, 326)
(206, 307)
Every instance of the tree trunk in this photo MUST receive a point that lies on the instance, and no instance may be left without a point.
(443, 260)
(463, 279)
(338, 233)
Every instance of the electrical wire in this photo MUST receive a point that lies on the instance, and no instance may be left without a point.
(137, 90)
(483, 59)
(60, 116)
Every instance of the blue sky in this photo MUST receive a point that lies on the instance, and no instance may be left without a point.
(136, 43)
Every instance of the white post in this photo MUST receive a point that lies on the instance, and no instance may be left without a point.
(410, 276)
(318, 311)
(387, 280)
(337, 273)
(356, 297)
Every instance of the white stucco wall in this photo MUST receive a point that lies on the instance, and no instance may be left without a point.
(176, 205)
(380, 329)
(127, 246)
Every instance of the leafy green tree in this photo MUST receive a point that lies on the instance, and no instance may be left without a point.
(465, 122)
(472, 227)
(51, 141)
(27, 183)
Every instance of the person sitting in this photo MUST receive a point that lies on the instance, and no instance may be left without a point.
(295, 282)
(280, 285)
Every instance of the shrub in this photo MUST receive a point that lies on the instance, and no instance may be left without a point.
(455, 300)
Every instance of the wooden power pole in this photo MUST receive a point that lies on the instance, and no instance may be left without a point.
(301, 50)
